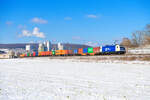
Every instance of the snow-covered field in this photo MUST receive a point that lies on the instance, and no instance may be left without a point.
(54, 79)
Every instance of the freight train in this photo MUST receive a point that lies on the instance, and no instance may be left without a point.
(102, 50)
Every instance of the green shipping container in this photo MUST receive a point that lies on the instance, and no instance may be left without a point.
(28, 54)
(53, 52)
(90, 50)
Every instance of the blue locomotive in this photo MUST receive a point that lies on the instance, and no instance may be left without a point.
(113, 49)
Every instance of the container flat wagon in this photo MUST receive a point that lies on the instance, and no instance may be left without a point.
(101, 50)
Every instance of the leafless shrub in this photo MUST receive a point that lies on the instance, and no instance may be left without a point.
(147, 39)
(138, 38)
(146, 58)
(147, 34)
(127, 58)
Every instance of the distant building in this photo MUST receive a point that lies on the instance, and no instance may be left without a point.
(41, 47)
(49, 46)
(28, 47)
(46, 46)
(60, 46)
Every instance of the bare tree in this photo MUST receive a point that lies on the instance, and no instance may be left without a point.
(148, 27)
(147, 34)
(138, 38)
(126, 42)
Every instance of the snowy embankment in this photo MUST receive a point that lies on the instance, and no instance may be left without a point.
(140, 50)
(53, 79)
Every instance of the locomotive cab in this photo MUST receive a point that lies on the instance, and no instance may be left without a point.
(122, 50)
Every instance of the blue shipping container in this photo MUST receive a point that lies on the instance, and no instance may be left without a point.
(75, 51)
(108, 48)
(85, 50)
(36, 53)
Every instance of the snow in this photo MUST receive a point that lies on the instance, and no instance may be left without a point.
(54, 79)
(140, 50)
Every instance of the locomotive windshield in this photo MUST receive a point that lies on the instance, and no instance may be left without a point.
(122, 48)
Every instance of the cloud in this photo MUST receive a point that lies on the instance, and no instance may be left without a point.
(39, 21)
(67, 18)
(26, 33)
(35, 33)
(9, 22)
(92, 16)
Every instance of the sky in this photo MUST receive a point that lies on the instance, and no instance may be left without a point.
(92, 22)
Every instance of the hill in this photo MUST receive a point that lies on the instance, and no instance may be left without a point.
(35, 45)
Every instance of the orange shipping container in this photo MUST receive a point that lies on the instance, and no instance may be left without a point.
(22, 55)
(39, 54)
(43, 53)
(47, 53)
(63, 52)
(80, 51)
(57, 52)
(66, 52)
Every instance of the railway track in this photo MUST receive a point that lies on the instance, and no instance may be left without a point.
(125, 57)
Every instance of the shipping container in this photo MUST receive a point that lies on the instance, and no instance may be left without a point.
(43, 53)
(31, 54)
(80, 51)
(85, 50)
(67, 52)
(34, 54)
(28, 54)
(50, 53)
(96, 50)
(53, 52)
(22, 55)
(59, 52)
(90, 50)
(70, 52)
(64, 52)
(75, 51)
(47, 53)
(39, 53)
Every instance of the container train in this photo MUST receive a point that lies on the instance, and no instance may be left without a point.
(102, 50)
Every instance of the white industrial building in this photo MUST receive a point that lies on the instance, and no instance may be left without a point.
(46, 46)
(60, 46)
(28, 48)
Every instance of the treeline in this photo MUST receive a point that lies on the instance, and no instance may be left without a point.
(139, 38)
